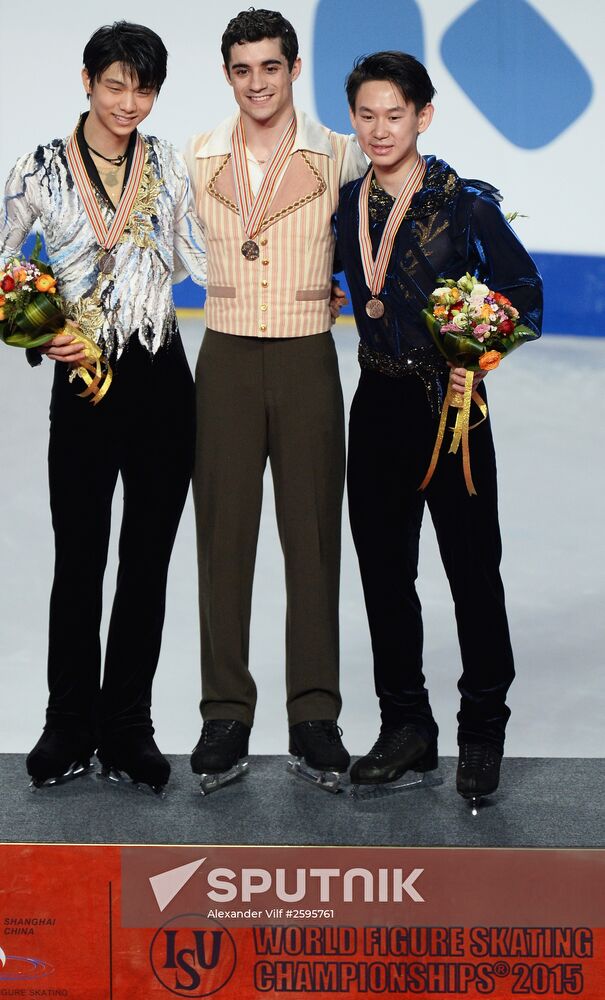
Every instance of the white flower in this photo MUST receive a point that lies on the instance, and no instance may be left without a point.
(467, 283)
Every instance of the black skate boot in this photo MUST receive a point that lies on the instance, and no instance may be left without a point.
(397, 751)
(218, 755)
(318, 752)
(59, 756)
(133, 755)
(478, 772)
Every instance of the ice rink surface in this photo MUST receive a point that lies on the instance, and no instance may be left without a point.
(547, 411)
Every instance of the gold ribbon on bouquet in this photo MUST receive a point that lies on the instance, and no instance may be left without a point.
(95, 370)
(462, 403)
(41, 320)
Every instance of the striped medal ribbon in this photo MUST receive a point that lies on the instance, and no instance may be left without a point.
(252, 210)
(375, 270)
(107, 237)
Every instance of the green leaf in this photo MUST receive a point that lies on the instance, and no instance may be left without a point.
(25, 340)
(42, 266)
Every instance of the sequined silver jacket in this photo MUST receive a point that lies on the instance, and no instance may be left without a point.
(162, 242)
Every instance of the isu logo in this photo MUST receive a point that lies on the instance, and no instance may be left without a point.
(192, 961)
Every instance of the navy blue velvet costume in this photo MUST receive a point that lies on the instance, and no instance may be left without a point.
(452, 226)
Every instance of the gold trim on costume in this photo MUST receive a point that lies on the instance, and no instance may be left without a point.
(292, 207)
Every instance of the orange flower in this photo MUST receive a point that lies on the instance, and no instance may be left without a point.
(2, 299)
(46, 283)
(20, 275)
(489, 360)
(1, 314)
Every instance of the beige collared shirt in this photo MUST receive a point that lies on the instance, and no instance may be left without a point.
(286, 291)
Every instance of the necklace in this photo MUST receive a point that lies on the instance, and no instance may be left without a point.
(111, 177)
(117, 161)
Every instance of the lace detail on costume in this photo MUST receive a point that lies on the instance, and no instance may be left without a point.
(428, 231)
(441, 185)
(139, 228)
(380, 202)
(87, 313)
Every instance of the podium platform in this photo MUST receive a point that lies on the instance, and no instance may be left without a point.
(541, 802)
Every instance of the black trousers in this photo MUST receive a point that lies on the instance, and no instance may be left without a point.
(143, 430)
(391, 437)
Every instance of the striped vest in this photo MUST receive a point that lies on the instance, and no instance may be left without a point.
(286, 291)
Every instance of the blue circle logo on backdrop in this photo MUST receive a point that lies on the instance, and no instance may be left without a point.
(506, 58)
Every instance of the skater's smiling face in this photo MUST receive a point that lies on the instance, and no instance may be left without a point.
(388, 126)
(124, 69)
(262, 80)
(118, 104)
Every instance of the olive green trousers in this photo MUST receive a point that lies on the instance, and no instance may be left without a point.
(281, 400)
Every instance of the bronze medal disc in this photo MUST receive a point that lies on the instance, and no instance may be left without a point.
(375, 308)
(107, 262)
(250, 250)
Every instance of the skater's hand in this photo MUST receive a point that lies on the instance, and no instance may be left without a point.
(64, 348)
(338, 299)
(458, 377)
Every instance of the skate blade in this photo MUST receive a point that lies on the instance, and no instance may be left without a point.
(477, 803)
(119, 779)
(75, 770)
(328, 781)
(407, 782)
(212, 782)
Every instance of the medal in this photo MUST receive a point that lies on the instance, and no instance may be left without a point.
(375, 308)
(252, 209)
(107, 263)
(375, 271)
(250, 250)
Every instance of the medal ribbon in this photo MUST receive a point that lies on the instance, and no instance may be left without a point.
(252, 210)
(375, 270)
(106, 237)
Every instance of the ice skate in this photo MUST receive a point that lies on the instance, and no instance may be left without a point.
(58, 757)
(132, 759)
(401, 759)
(318, 755)
(478, 773)
(218, 756)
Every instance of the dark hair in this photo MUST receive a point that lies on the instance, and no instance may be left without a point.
(136, 47)
(400, 69)
(254, 25)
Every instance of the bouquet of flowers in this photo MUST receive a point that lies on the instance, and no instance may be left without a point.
(474, 328)
(32, 313)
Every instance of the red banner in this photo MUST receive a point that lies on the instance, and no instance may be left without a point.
(111, 923)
